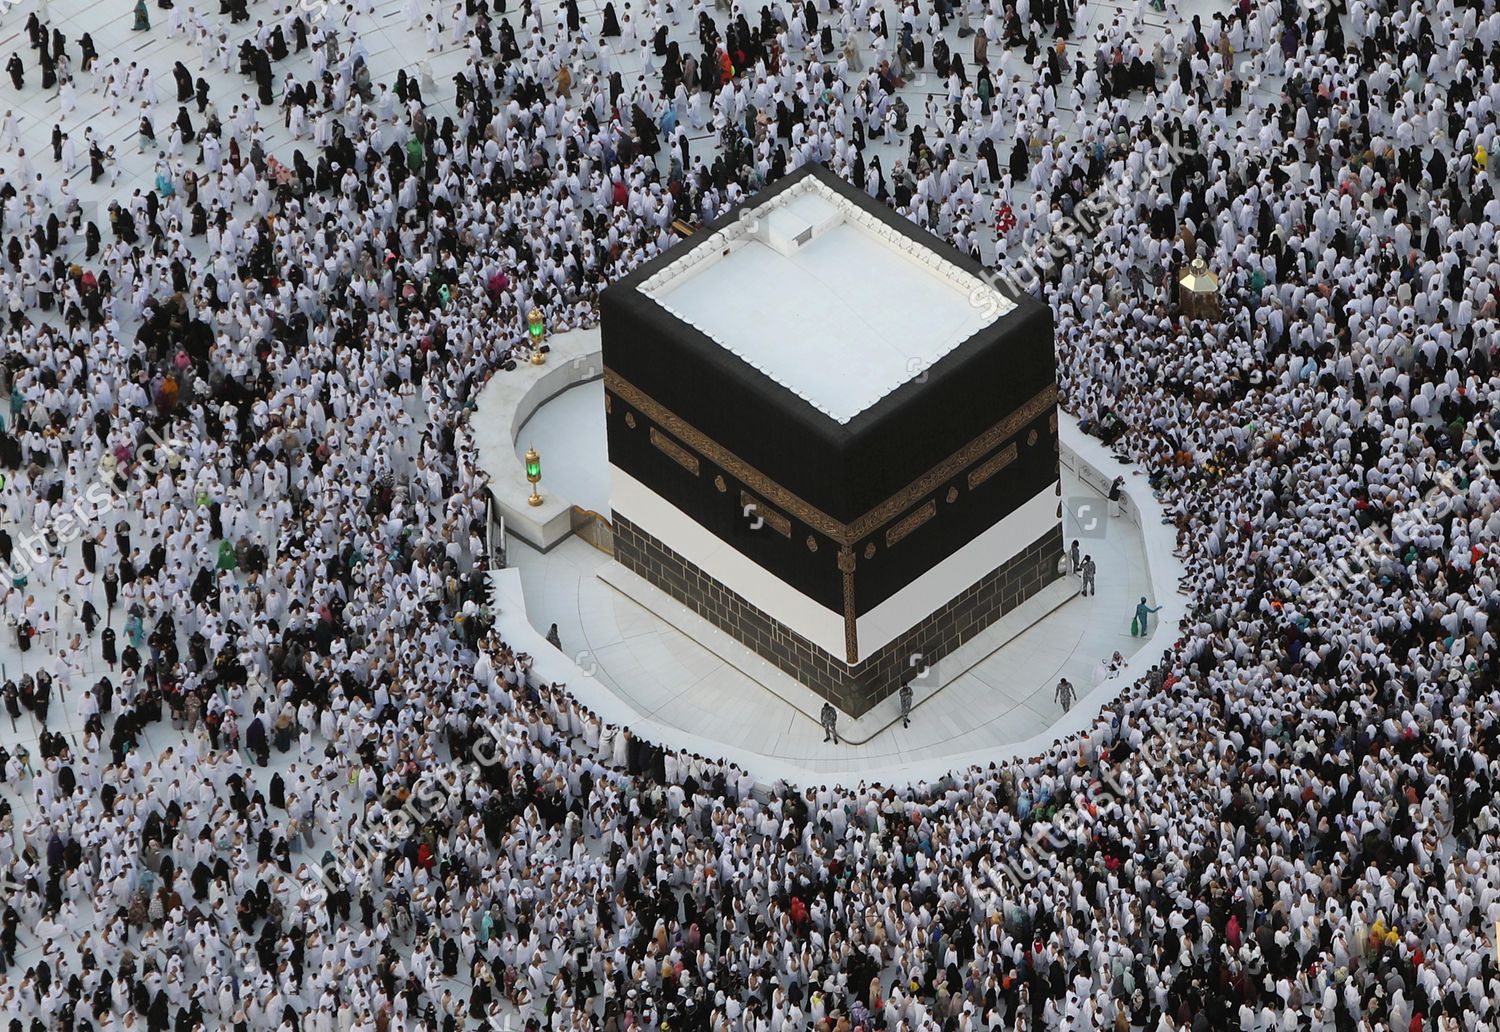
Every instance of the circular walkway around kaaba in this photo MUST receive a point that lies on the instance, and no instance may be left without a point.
(673, 678)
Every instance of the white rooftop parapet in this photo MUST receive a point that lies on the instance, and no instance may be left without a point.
(825, 299)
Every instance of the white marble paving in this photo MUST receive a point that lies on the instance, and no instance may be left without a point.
(577, 410)
(674, 683)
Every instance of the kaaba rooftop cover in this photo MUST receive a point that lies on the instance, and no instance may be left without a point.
(851, 293)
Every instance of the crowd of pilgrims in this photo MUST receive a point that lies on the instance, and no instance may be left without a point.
(306, 787)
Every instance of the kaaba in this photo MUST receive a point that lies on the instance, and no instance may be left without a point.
(830, 437)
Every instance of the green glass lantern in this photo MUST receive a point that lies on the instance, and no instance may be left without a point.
(533, 474)
(536, 327)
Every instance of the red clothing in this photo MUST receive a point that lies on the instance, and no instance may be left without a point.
(799, 912)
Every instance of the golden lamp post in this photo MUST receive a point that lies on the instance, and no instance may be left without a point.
(1198, 291)
(533, 474)
(537, 328)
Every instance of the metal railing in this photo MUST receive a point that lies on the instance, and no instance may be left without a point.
(494, 521)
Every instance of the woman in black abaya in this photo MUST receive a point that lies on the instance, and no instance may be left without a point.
(184, 82)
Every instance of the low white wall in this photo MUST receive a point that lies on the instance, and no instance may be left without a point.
(502, 409)
(1087, 457)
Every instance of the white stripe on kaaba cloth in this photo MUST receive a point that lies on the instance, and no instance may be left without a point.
(819, 624)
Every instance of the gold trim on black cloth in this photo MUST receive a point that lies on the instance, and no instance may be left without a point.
(992, 465)
(910, 523)
(811, 515)
(954, 464)
(726, 460)
(676, 452)
(749, 504)
(851, 615)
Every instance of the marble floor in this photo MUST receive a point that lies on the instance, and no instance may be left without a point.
(577, 412)
(1004, 703)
